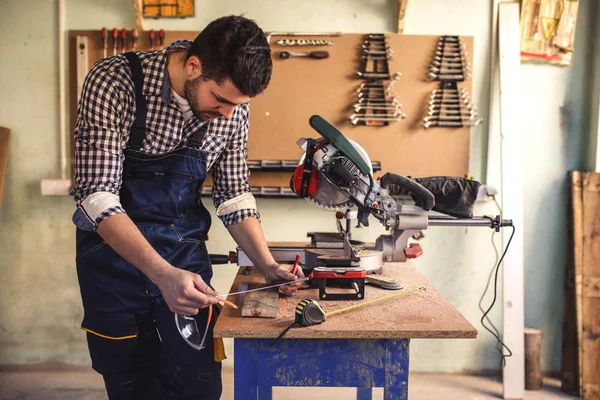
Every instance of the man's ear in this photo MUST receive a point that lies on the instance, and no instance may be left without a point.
(193, 67)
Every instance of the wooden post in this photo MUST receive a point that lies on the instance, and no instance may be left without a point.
(533, 365)
(571, 358)
(4, 134)
(590, 288)
(402, 4)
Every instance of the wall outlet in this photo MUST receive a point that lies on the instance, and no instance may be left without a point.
(486, 192)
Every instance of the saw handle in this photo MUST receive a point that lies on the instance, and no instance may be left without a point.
(427, 199)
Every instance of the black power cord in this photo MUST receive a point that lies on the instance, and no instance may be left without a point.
(492, 329)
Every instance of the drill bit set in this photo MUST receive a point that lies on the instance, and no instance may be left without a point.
(449, 106)
(376, 104)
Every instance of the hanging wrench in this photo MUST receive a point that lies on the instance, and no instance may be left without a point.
(319, 54)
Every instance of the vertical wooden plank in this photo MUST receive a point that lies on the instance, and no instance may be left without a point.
(570, 344)
(512, 198)
(4, 135)
(402, 5)
(578, 218)
(590, 288)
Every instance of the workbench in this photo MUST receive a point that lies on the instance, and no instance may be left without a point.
(364, 348)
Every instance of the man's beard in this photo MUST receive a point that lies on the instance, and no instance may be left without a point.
(189, 90)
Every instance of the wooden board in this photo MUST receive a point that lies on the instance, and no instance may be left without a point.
(261, 304)
(581, 343)
(300, 88)
(4, 136)
(422, 314)
(590, 287)
(572, 288)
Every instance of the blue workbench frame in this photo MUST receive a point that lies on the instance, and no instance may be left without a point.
(360, 363)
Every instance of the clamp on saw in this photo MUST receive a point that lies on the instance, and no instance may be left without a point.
(336, 173)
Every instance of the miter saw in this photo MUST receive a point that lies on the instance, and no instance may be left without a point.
(335, 173)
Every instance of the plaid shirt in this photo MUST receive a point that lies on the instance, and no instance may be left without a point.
(105, 115)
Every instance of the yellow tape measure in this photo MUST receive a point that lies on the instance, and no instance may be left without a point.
(366, 303)
(309, 312)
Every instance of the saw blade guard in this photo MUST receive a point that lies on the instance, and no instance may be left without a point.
(328, 195)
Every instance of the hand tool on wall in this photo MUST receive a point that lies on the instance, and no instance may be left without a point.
(304, 42)
(151, 39)
(450, 62)
(115, 38)
(161, 38)
(134, 39)
(304, 33)
(123, 38)
(376, 105)
(104, 42)
(450, 106)
(318, 55)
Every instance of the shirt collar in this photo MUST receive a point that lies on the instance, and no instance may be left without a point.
(156, 78)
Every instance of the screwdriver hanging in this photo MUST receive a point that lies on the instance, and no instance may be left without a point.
(161, 38)
(123, 40)
(105, 41)
(115, 38)
(134, 39)
(318, 54)
(151, 37)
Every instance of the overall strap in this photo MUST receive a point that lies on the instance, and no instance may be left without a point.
(138, 130)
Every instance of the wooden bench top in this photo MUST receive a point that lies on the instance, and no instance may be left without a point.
(421, 314)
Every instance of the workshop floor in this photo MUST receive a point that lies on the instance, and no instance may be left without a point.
(85, 384)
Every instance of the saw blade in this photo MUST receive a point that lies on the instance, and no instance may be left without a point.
(329, 196)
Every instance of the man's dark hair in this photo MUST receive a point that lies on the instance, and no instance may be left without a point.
(234, 47)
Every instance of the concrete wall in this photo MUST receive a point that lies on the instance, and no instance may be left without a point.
(39, 297)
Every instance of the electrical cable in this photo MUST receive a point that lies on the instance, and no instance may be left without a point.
(498, 347)
(496, 269)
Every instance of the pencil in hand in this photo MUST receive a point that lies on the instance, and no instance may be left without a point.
(229, 303)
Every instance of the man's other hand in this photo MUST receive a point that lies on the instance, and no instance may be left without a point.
(285, 271)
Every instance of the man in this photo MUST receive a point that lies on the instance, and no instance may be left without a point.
(150, 125)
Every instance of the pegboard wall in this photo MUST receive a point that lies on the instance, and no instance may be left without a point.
(301, 87)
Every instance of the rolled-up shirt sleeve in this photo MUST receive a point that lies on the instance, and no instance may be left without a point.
(231, 178)
(99, 144)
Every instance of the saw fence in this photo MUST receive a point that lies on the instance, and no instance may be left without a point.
(301, 87)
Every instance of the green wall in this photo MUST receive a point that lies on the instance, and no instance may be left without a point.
(40, 307)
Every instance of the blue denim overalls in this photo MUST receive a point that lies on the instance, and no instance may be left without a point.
(131, 332)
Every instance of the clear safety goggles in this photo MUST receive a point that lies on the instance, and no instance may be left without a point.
(188, 329)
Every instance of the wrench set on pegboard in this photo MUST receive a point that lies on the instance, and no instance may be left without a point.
(449, 106)
(376, 104)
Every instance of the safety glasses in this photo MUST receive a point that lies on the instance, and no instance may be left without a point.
(188, 329)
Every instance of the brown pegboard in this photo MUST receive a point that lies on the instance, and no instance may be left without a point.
(302, 87)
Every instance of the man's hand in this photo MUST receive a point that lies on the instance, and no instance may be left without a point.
(185, 292)
(284, 271)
